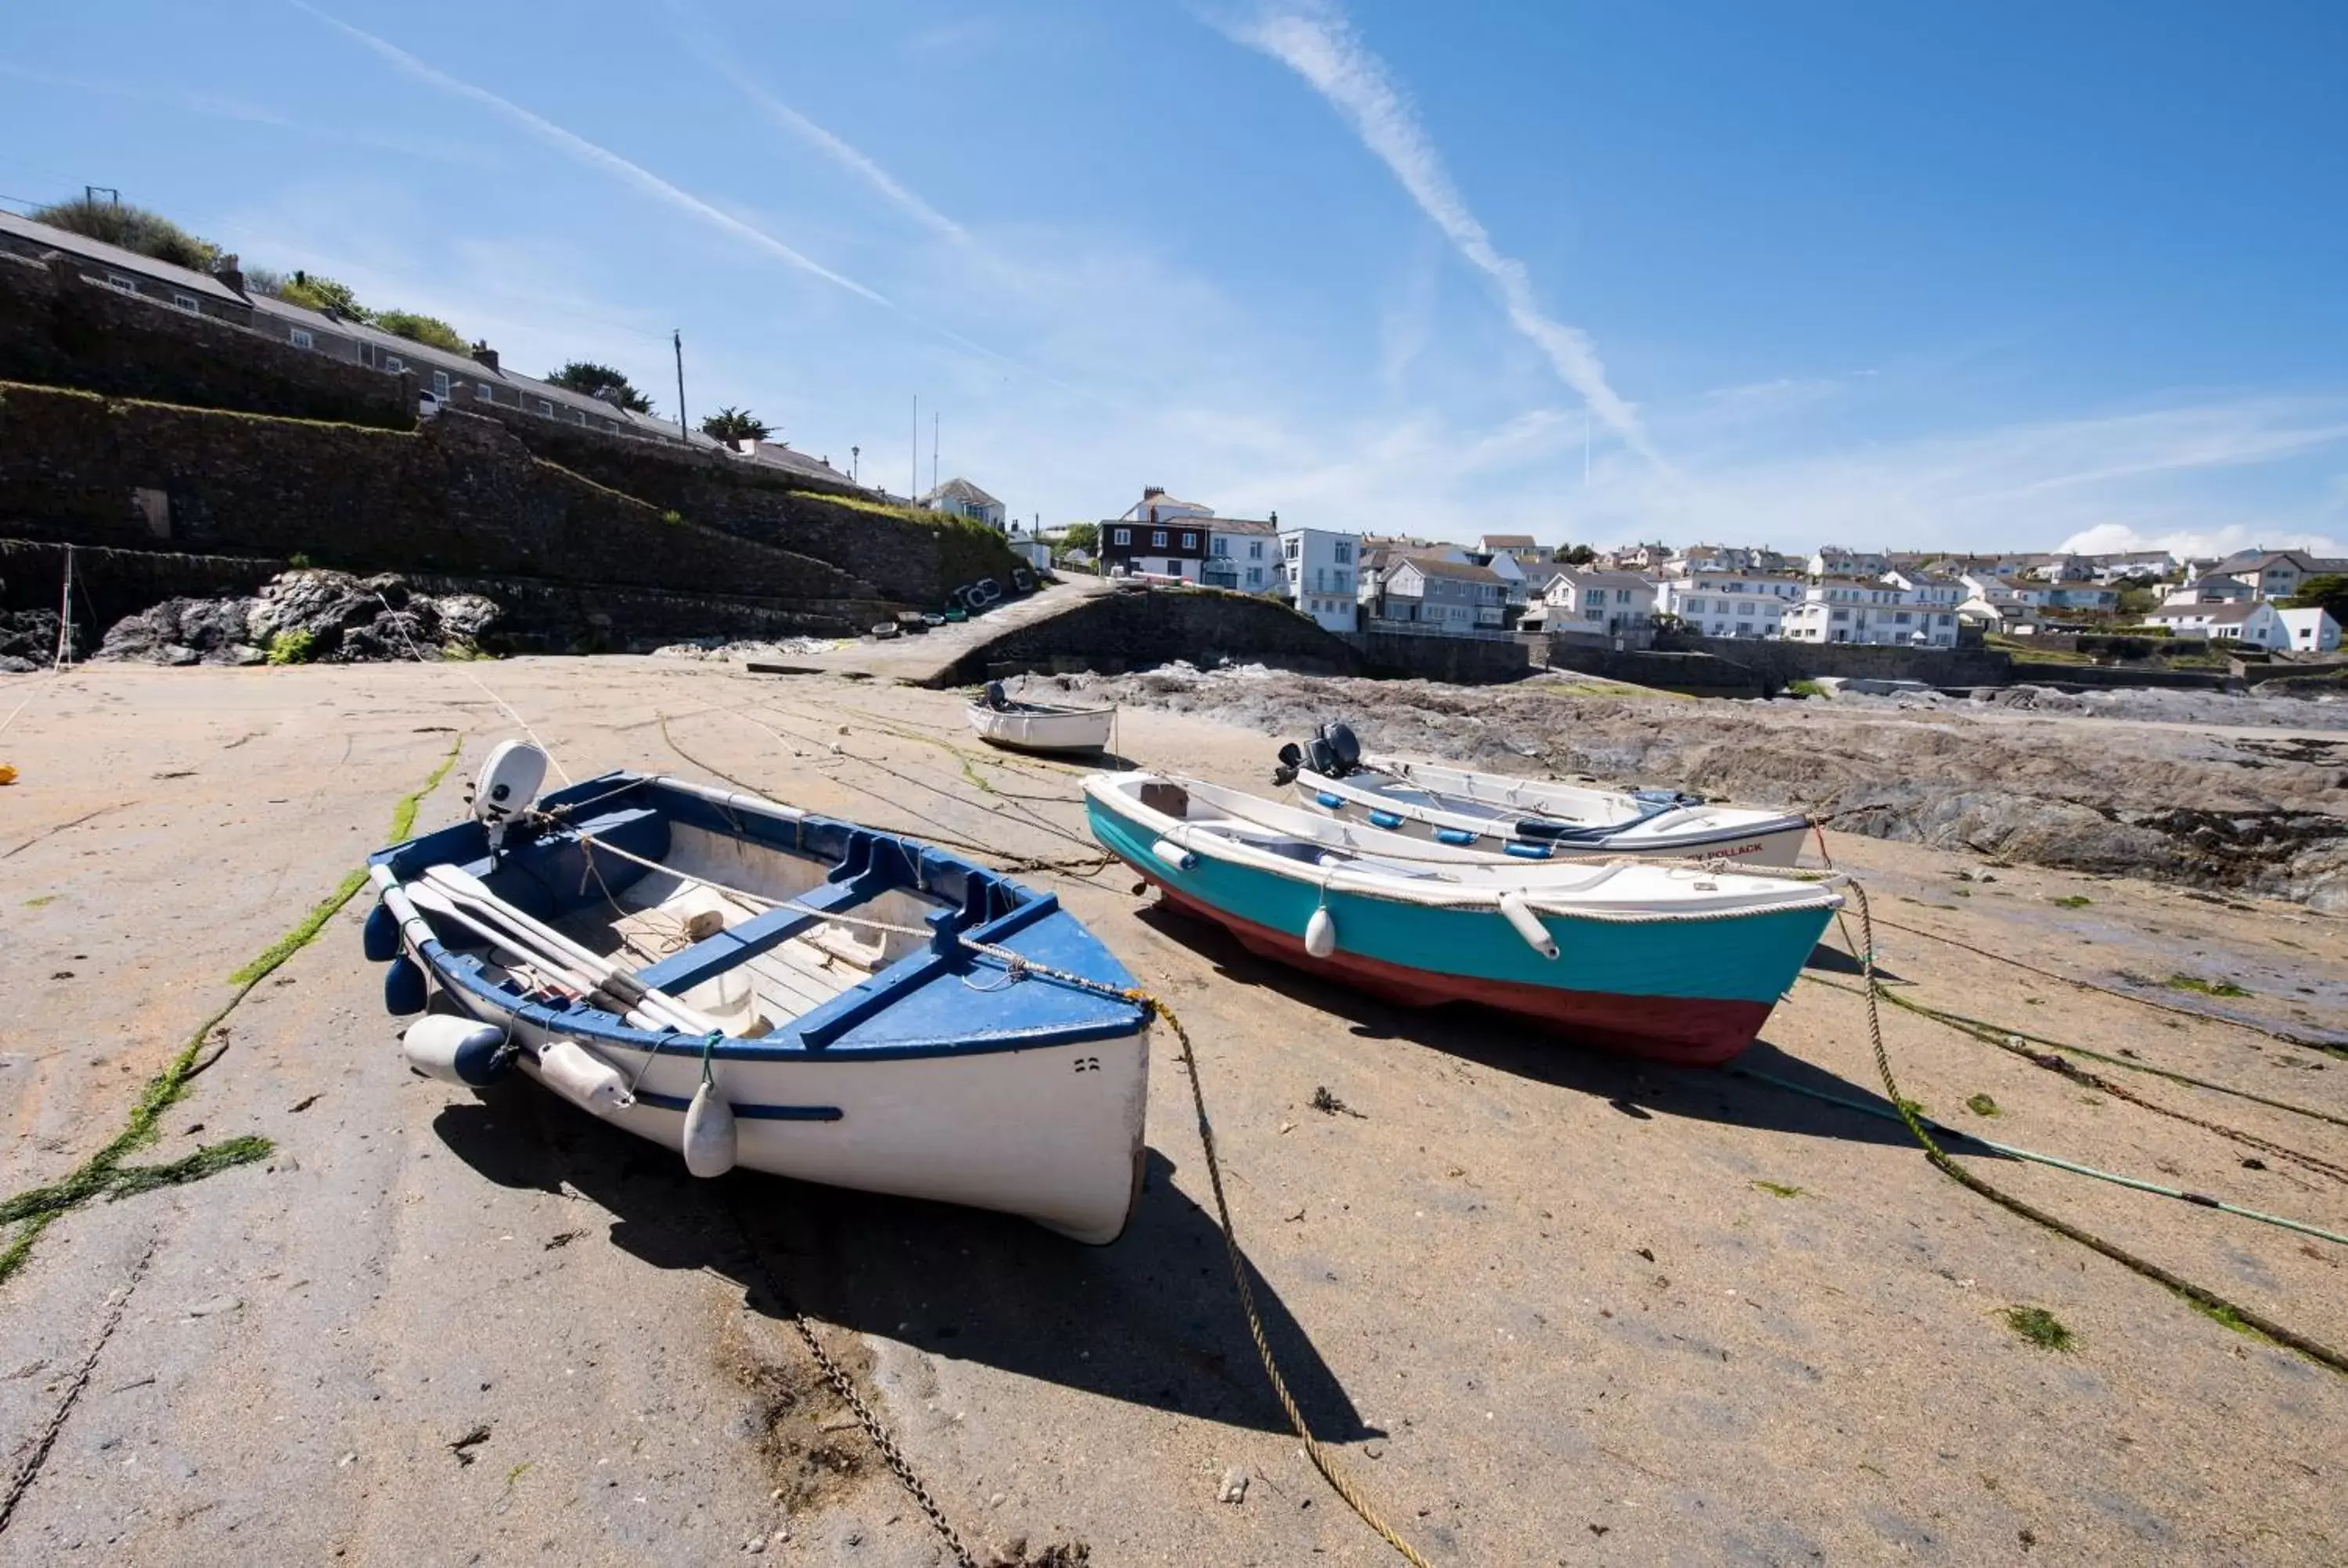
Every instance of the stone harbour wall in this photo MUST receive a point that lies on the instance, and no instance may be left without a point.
(1114, 632)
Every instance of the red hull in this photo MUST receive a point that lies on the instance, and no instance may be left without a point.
(1683, 1032)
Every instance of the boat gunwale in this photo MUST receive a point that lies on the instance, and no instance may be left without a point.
(1818, 888)
(1765, 822)
(1117, 1017)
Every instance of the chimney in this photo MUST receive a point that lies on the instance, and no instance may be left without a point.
(1275, 519)
(230, 273)
(485, 355)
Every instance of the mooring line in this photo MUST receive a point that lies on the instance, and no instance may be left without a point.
(2210, 1300)
(30, 1471)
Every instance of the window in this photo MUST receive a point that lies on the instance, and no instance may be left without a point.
(1255, 549)
(394, 364)
(186, 302)
(1345, 552)
(1157, 539)
(117, 281)
(300, 338)
(1222, 549)
(485, 391)
(1842, 615)
(1189, 541)
(440, 385)
(1744, 629)
(1121, 537)
(1695, 607)
(1902, 618)
(1593, 615)
(1255, 576)
(1289, 547)
(546, 408)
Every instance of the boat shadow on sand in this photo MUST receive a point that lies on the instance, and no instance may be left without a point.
(1151, 1319)
(1639, 1090)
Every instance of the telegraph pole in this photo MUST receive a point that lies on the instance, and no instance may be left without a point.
(677, 338)
(913, 477)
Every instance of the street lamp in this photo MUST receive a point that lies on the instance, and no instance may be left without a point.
(854, 453)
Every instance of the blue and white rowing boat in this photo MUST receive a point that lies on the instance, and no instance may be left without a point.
(1532, 819)
(1678, 963)
(757, 985)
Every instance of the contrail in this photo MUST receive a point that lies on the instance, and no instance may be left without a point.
(601, 158)
(832, 147)
(1314, 39)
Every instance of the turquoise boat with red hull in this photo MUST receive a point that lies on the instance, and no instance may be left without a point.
(1675, 963)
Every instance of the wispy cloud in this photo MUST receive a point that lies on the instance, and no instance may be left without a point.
(596, 157)
(1313, 38)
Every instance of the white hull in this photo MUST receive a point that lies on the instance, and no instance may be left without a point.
(1042, 1133)
(1033, 729)
(1454, 806)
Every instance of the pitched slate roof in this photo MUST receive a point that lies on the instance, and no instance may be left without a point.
(120, 260)
(1507, 541)
(962, 491)
(1459, 571)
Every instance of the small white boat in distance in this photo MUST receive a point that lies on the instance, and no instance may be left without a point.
(1532, 819)
(1038, 727)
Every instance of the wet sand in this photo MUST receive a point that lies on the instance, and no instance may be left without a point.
(1551, 1306)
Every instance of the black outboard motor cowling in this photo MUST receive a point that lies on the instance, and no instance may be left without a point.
(1344, 746)
(996, 698)
(1290, 759)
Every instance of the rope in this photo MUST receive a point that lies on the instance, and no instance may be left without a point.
(2199, 1200)
(2210, 1300)
(1019, 964)
(1988, 1034)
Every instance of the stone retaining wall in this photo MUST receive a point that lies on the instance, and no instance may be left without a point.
(57, 329)
(459, 497)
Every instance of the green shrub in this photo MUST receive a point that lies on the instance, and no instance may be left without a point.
(296, 647)
(298, 561)
(672, 518)
(2040, 1326)
(1805, 688)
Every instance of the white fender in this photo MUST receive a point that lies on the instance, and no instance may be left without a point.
(1528, 924)
(709, 1133)
(454, 1050)
(1174, 854)
(1321, 933)
(586, 1081)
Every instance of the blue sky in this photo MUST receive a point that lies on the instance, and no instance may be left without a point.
(2005, 275)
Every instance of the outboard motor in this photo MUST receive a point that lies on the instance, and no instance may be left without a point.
(996, 697)
(1320, 758)
(1291, 758)
(507, 786)
(1342, 745)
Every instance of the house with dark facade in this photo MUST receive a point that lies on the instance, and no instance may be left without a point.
(128, 272)
(1430, 594)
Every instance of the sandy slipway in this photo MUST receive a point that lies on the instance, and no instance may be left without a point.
(2238, 793)
(1547, 1304)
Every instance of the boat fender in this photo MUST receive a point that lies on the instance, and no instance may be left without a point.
(456, 1050)
(709, 1148)
(1321, 933)
(1528, 924)
(587, 1081)
(1174, 854)
(379, 938)
(403, 988)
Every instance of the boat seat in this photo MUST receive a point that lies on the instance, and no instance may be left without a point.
(723, 950)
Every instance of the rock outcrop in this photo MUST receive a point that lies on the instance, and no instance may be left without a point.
(304, 617)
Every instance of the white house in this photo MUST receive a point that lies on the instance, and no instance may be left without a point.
(1860, 609)
(1321, 566)
(2255, 621)
(2312, 630)
(1602, 601)
(1245, 555)
(964, 499)
(1519, 547)
(1930, 588)
(1731, 603)
(1444, 595)
(2269, 574)
(1833, 561)
(1157, 506)
(2209, 591)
